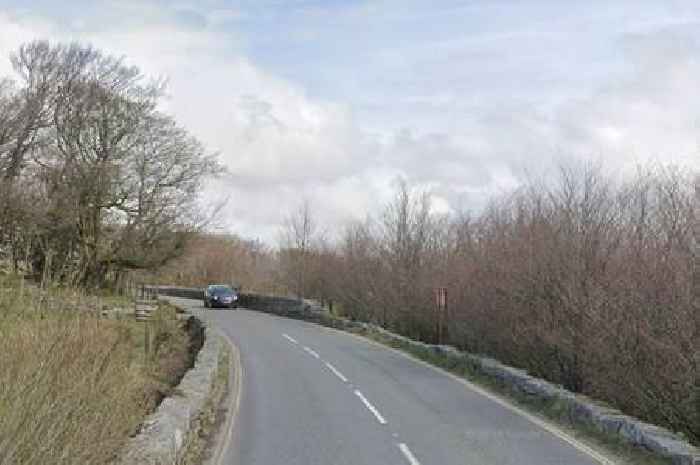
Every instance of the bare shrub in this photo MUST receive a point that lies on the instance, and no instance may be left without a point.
(586, 281)
(218, 258)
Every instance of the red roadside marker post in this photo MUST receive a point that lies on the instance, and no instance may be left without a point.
(440, 295)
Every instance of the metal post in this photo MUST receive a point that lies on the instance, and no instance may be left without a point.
(440, 294)
(445, 320)
(439, 315)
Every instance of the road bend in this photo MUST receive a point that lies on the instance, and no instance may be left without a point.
(316, 396)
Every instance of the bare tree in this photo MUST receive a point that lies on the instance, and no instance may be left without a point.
(298, 237)
(116, 181)
(406, 232)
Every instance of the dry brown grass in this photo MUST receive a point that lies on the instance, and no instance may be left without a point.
(74, 386)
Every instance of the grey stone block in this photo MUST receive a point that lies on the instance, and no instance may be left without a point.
(162, 440)
(579, 409)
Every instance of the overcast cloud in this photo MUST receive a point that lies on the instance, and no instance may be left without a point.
(332, 100)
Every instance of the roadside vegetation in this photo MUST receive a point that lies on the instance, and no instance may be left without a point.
(75, 384)
(584, 280)
(95, 180)
(220, 258)
(97, 184)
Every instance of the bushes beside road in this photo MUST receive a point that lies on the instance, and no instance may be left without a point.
(584, 280)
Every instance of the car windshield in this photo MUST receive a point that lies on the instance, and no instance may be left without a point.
(219, 290)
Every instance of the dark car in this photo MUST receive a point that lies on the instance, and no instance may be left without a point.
(220, 295)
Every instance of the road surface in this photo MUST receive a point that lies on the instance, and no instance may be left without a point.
(316, 396)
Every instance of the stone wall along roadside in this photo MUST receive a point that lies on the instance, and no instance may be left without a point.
(164, 436)
(579, 409)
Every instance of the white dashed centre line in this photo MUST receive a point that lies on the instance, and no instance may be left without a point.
(336, 372)
(371, 407)
(311, 352)
(407, 453)
(402, 447)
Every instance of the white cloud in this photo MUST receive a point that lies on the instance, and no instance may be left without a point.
(652, 112)
(282, 144)
(277, 143)
(15, 32)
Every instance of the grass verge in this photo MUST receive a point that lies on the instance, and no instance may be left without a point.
(75, 385)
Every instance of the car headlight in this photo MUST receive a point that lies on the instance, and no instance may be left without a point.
(216, 297)
(235, 297)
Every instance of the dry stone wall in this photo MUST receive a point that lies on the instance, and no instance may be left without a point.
(164, 436)
(579, 409)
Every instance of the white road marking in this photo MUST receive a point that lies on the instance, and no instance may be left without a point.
(407, 453)
(336, 372)
(311, 352)
(370, 407)
(290, 339)
(550, 428)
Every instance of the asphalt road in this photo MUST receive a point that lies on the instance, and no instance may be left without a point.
(315, 396)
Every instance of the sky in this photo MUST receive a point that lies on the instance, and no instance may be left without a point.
(333, 101)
